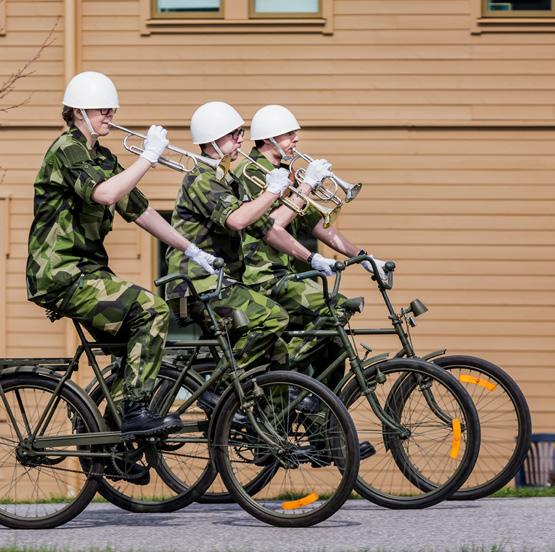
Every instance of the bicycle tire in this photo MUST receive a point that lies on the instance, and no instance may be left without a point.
(318, 452)
(505, 423)
(426, 465)
(44, 496)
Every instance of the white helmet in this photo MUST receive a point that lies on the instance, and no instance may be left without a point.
(91, 90)
(213, 120)
(271, 121)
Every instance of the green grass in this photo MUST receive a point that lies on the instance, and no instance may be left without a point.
(524, 492)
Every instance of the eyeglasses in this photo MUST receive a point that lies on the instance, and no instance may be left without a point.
(107, 110)
(237, 133)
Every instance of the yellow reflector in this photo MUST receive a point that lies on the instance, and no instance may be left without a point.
(456, 444)
(304, 501)
(478, 381)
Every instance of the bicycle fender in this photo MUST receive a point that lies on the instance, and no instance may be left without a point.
(55, 376)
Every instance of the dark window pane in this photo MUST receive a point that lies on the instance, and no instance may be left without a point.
(521, 5)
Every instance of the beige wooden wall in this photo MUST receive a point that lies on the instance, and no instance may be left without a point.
(452, 133)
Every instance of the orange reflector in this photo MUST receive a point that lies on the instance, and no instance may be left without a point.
(456, 444)
(478, 381)
(304, 501)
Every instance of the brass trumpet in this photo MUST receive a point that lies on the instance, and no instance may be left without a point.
(329, 214)
(177, 165)
(321, 190)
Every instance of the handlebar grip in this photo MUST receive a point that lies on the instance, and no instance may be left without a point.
(389, 266)
(218, 263)
(167, 279)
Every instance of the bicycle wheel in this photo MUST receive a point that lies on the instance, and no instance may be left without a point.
(159, 476)
(314, 456)
(504, 421)
(41, 488)
(430, 443)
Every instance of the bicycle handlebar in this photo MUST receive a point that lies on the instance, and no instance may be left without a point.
(389, 268)
(218, 264)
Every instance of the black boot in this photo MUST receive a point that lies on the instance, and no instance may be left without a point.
(309, 405)
(208, 401)
(139, 421)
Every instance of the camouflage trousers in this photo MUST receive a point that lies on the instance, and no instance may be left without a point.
(113, 310)
(304, 302)
(261, 342)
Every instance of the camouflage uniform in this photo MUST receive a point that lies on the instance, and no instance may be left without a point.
(67, 267)
(205, 201)
(304, 301)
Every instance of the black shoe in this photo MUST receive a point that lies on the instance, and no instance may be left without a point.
(309, 405)
(366, 450)
(140, 421)
(208, 401)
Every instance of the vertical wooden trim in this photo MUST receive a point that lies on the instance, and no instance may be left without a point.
(475, 15)
(3, 17)
(71, 10)
(328, 14)
(236, 10)
(4, 228)
(71, 65)
(145, 244)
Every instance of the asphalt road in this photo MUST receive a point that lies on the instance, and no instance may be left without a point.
(512, 524)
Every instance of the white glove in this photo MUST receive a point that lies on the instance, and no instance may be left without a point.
(155, 143)
(316, 171)
(380, 264)
(205, 260)
(277, 181)
(322, 264)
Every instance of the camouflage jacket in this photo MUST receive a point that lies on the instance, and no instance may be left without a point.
(203, 205)
(263, 263)
(68, 230)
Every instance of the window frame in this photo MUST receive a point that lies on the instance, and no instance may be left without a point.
(482, 21)
(156, 14)
(236, 19)
(253, 14)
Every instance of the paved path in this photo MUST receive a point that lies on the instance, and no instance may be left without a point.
(523, 525)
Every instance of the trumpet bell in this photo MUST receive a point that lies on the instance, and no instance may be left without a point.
(351, 190)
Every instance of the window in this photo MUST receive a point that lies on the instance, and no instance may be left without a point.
(236, 16)
(187, 8)
(284, 8)
(519, 8)
(515, 16)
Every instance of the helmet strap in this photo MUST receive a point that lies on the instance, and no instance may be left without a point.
(90, 128)
(284, 156)
(217, 148)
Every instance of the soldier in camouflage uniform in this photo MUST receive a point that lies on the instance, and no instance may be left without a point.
(274, 130)
(79, 187)
(209, 211)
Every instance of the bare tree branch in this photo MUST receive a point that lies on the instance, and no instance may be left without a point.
(9, 84)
